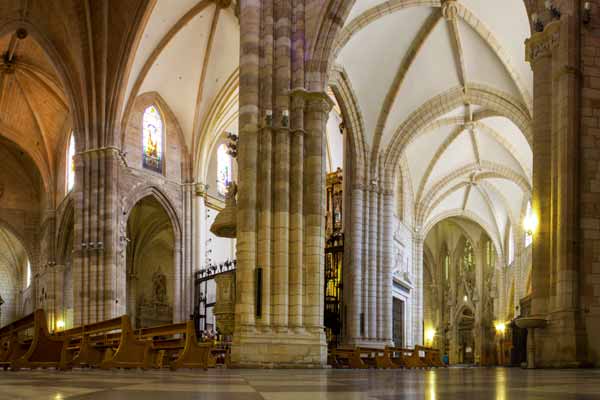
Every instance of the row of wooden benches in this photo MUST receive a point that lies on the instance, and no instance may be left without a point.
(390, 357)
(26, 343)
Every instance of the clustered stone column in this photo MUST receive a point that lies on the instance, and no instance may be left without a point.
(368, 265)
(281, 202)
(96, 296)
(555, 148)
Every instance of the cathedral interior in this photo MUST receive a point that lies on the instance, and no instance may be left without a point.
(407, 190)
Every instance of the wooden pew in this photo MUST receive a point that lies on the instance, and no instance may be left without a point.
(41, 351)
(432, 356)
(89, 345)
(347, 358)
(406, 358)
(176, 346)
(12, 345)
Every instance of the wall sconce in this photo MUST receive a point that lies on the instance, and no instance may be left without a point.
(466, 299)
(60, 324)
(587, 13)
(530, 224)
(429, 335)
(285, 118)
(500, 327)
(268, 117)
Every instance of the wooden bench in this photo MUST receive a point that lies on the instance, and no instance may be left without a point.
(346, 358)
(106, 344)
(405, 358)
(40, 350)
(432, 357)
(176, 346)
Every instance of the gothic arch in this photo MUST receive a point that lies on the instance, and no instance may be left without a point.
(182, 288)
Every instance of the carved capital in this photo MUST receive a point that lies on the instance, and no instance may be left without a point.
(541, 44)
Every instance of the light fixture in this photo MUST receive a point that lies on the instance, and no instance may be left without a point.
(465, 298)
(269, 118)
(60, 324)
(285, 118)
(530, 224)
(429, 335)
(500, 327)
(587, 13)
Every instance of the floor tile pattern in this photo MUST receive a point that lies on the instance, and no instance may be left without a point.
(222, 384)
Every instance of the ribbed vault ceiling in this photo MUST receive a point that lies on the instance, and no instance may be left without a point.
(34, 111)
(189, 54)
(445, 87)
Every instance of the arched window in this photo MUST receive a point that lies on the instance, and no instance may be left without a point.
(152, 129)
(70, 164)
(489, 254)
(28, 276)
(528, 235)
(447, 267)
(468, 261)
(224, 169)
(511, 246)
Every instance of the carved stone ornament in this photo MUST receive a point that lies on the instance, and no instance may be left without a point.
(449, 9)
(541, 44)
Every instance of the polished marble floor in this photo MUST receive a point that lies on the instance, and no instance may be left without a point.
(221, 384)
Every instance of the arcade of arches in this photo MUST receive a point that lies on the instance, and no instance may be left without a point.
(401, 172)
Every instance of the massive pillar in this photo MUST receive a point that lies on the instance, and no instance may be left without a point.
(281, 201)
(555, 266)
(97, 294)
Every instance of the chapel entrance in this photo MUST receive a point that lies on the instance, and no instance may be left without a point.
(466, 341)
(150, 264)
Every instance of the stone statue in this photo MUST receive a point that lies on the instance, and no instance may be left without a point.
(159, 287)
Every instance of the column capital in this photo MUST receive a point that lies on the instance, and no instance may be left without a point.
(315, 101)
(541, 44)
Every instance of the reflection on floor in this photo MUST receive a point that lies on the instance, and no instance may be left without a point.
(451, 383)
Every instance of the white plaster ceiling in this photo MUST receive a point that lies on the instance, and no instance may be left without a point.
(191, 53)
(473, 159)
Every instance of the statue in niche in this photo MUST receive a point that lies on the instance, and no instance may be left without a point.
(159, 287)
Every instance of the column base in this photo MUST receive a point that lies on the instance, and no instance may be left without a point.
(279, 349)
(561, 344)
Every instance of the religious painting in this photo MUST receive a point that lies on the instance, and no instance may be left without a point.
(152, 128)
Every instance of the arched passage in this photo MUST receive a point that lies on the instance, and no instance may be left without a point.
(151, 264)
(15, 277)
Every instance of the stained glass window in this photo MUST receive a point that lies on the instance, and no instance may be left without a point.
(528, 236)
(224, 169)
(70, 164)
(152, 128)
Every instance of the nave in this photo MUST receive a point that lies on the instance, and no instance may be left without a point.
(407, 188)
